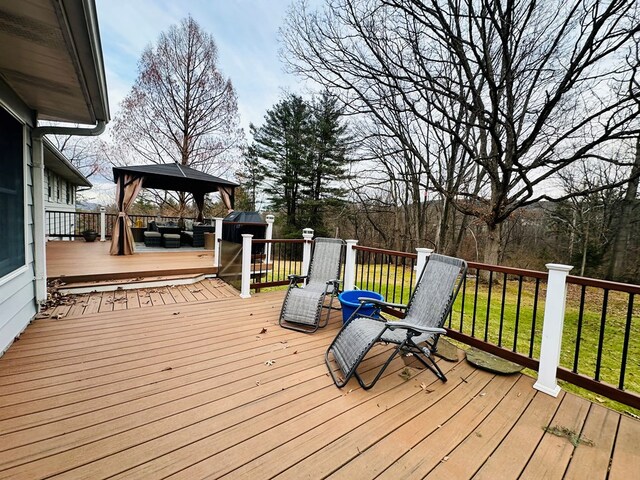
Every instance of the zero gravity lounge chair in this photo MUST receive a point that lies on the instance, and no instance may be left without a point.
(302, 307)
(417, 333)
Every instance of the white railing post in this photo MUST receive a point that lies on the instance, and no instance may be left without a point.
(217, 240)
(269, 235)
(103, 224)
(552, 329)
(350, 266)
(245, 290)
(423, 254)
(307, 234)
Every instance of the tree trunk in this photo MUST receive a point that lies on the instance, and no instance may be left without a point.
(493, 247)
(622, 233)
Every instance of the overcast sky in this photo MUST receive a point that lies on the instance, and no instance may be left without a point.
(245, 31)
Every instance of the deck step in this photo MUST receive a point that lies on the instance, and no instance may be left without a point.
(130, 283)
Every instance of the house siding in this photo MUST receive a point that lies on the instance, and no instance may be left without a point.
(59, 201)
(17, 289)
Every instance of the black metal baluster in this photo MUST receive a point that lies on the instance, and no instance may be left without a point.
(412, 265)
(395, 281)
(464, 298)
(388, 263)
(579, 332)
(504, 296)
(533, 319)
(625, 345)
(603, 319)
(475, 304)
(486, 321)
(517, 324)
(404, 271)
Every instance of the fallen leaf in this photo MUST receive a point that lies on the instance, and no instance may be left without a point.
(295, 352)
(166, 369)
(264, 330)
(406, 373)
(269, 362)
(482, 394)
(257, 383)
(444, 459)
(176, 313)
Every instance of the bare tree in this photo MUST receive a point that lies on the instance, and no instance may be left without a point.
(181, 108)
(515, 91)
(87, 154)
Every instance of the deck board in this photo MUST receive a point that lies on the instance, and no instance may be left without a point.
(196, 389)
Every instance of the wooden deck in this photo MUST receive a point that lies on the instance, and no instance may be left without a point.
(216, 389)
(81, 261)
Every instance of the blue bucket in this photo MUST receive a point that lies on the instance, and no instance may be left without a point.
(349, 301)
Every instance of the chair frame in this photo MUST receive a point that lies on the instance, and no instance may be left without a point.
(294, 281)
(424, 354)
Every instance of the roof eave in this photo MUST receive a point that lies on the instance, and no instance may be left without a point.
(82, 23)
(67, 170)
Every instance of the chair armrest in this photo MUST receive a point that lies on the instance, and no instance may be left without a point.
(417, 328)
(294, 279)
(382, 303)
(335, 281)
(297, 277)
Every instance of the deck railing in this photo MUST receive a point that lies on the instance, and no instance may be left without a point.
(274, 260)
(502, 310)
(72, 224)
(388, 272)
(502, 307)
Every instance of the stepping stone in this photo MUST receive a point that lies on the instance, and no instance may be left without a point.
(492, 363)
(448, 350)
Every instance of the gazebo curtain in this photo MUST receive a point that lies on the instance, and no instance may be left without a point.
(199, 199)
(225, 195)
(127, 190)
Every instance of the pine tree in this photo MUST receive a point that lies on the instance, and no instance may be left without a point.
(327, 163)
(282, 144)
(302, 148)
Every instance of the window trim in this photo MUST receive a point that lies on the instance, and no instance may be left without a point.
(26, 150)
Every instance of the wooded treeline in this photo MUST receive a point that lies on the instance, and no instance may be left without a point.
(470, 115)
(503, 131)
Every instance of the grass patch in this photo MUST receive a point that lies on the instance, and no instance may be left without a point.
(573, 437)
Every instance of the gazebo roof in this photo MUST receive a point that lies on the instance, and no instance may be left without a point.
(171, 176)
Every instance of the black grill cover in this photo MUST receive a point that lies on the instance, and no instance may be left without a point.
(237, 223)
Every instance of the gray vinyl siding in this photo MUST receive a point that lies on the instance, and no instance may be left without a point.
(59, 224)
(59, 200)
(17, 292)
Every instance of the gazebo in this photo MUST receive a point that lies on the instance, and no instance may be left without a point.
(169, 176)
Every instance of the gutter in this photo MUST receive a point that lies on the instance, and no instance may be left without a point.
(39, 253)
(38, 132)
